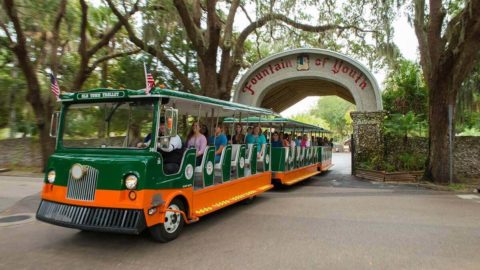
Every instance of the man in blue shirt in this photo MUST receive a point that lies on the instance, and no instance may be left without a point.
(220, 142)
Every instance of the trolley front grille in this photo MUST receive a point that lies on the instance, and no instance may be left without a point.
(83, 189)
(92, 218)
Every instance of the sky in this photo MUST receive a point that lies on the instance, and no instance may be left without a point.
(404, 38)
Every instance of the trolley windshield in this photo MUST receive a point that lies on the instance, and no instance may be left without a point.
(108, 125)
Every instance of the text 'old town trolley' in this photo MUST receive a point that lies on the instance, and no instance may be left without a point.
(126, 161)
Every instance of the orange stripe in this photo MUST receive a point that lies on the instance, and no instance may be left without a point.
(212, 198)
(297, 175)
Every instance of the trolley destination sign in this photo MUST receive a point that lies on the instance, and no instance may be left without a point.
(100, 95)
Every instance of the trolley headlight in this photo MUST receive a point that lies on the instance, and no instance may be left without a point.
(131, 181)
(51, 176)
(77, 171)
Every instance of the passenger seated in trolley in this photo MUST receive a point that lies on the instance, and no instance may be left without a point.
(293, 142)
(238, 137)
(286, 140)
(249, 131)
(197, 140)
(172, 153)
(220, 141)
(276, 142)
(204, 130)
(226, 131)
(305, 142)
(298, 141)
(319, 141)
(258, 138)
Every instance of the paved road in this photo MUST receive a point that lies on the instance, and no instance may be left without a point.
(332, 221)
(14, 188)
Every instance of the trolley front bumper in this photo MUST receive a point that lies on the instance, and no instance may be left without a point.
(127, 221)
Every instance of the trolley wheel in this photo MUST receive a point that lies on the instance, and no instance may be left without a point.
(249, 200)
(172, 226)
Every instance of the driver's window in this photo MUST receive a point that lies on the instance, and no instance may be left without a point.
(140, 125)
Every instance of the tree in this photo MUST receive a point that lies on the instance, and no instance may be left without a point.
(39, 39)
(86, 52)
(312, 119)
(448, 42)
(468, 104)
(405, 90)
(336, 113)
(220, 49)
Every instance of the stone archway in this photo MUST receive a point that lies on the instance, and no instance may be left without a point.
(281, 80)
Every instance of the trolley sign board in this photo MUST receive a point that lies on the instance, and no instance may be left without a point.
(100, 95)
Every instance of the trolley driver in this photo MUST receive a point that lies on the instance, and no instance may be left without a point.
(172, 153)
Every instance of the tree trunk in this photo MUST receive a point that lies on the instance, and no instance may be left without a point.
(104, 75)
(41, 111)
(438, 163)
(210, 82)
(47, 144)
(12, 122)
(80, 77)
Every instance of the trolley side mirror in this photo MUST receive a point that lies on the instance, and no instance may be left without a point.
(171, 120)
(54, 124)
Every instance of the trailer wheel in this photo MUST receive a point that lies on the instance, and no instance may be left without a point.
(172, 225)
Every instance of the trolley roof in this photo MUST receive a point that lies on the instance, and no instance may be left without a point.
(186, 102)
(278, 122)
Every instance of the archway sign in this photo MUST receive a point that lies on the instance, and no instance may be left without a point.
(283, 79)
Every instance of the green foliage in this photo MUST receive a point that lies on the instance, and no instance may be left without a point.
(332, 113)
(12, 101)
(405, 90)
(404, 161)
(128, 74)
(470, 132)
(457, 187)
(405, 125)
(467, 117)
(374, 163)
(336, 113)
(410, 162)
(311, 119)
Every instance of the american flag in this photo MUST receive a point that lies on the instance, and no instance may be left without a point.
(54, 86)
(149, 81)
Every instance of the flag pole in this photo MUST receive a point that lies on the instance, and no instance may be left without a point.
(146, 76)
(54, 86)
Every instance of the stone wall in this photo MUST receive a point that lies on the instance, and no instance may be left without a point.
(467, 156)
(367, 136)
(374, 150)
(416, 147)
(466, 153)
(24, 152)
